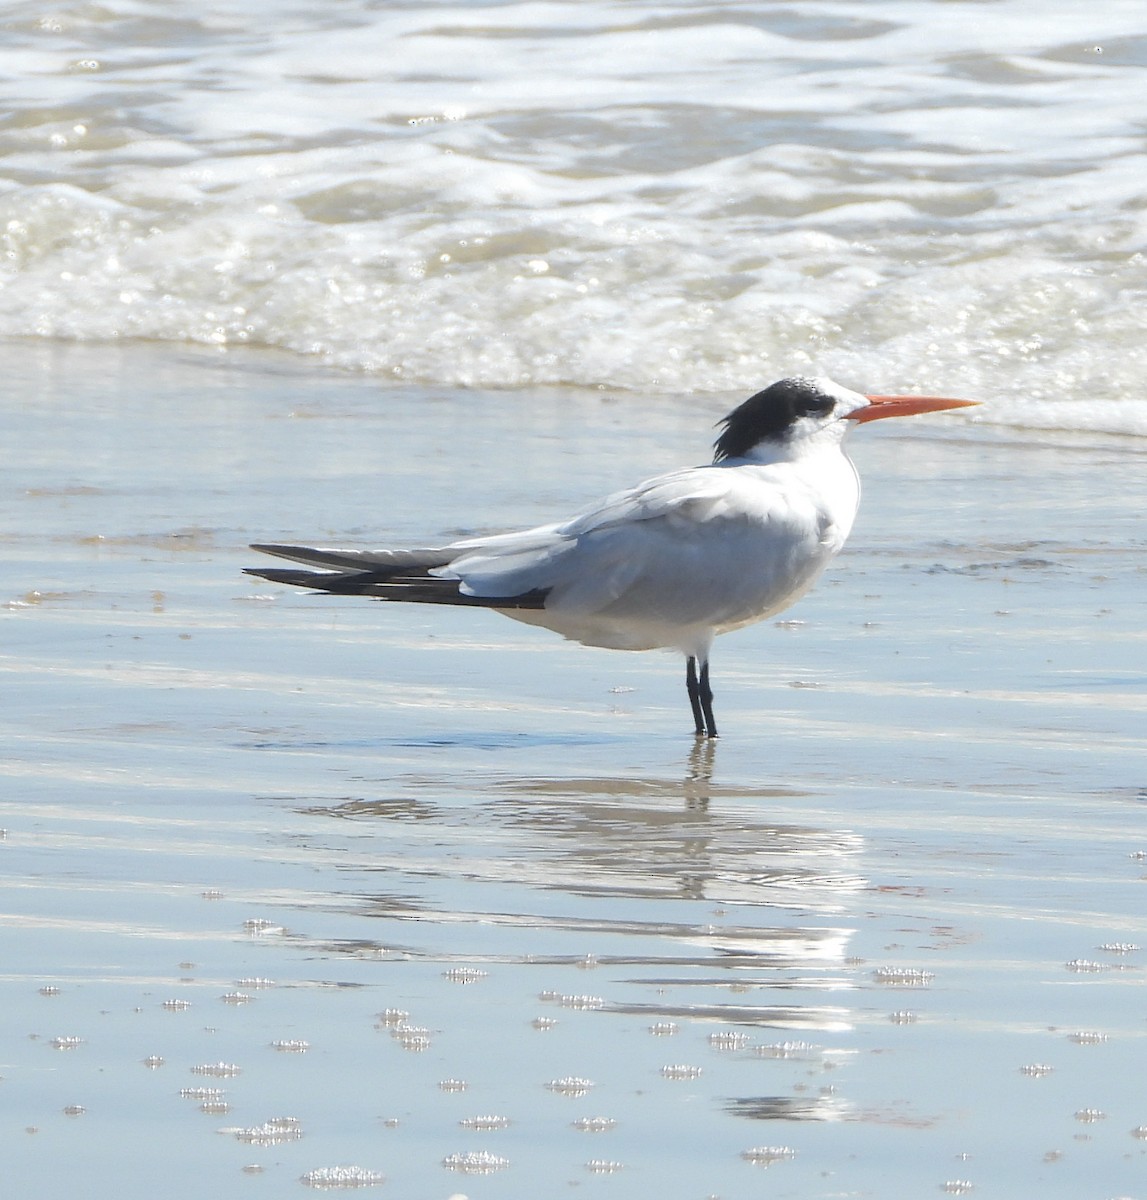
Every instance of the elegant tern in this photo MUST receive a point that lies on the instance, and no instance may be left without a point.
(669, 563)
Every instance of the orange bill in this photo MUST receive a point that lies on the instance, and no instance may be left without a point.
(905, 406)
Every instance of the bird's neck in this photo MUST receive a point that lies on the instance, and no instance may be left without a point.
(823, 446)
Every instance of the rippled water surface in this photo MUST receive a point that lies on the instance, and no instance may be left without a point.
(299, 892)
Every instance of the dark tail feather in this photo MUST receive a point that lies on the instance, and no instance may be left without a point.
(394, 561)
(414, 587)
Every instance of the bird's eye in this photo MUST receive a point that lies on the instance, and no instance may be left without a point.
(815, 405)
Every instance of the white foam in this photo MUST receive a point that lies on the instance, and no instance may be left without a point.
(534, 194)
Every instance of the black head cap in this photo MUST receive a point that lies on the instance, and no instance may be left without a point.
(769, 415)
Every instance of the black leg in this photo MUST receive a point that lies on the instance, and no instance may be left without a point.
(693, 689)
(706, 696)
(700, 699)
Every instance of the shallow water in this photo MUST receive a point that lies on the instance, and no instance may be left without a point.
(883, 938)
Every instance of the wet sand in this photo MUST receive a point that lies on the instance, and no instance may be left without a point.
(294, 883)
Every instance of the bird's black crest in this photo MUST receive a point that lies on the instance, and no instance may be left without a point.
(769, 414)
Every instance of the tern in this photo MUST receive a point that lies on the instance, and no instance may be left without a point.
(669, 563)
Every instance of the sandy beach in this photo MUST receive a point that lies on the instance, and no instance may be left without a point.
(295, 884)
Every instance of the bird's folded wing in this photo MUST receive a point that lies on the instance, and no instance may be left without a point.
(694, 495)
(577, 557)
(663, 548)
(507, 565)
(355, 560)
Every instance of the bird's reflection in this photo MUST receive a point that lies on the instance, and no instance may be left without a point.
(688, 837)
(635, 836)
(699, 773)
(710, 885)
(788, 1108)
